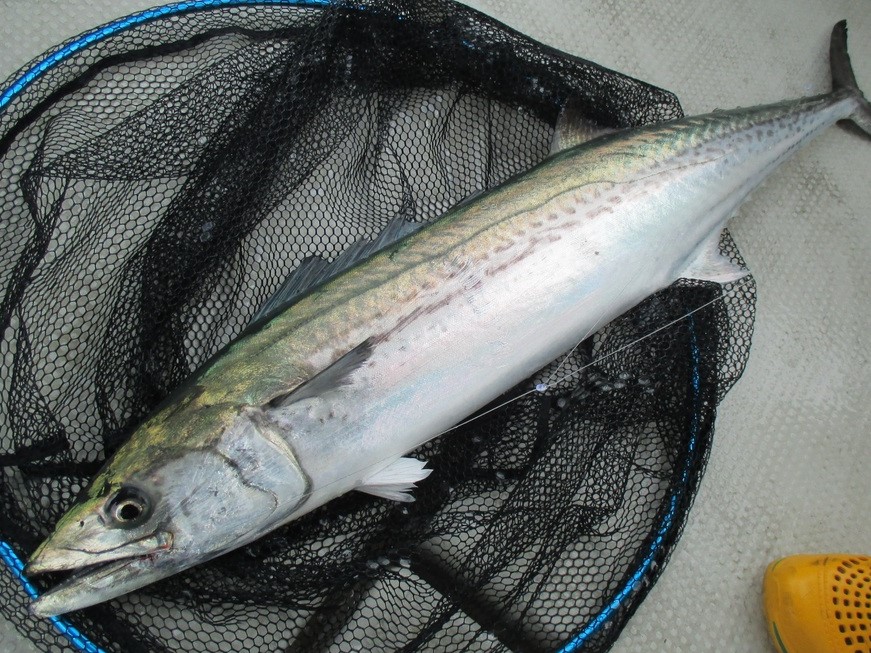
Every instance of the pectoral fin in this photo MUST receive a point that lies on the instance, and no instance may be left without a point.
(331, 378)
(396, 481)
(708, 264)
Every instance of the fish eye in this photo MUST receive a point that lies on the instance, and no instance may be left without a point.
(129, 507)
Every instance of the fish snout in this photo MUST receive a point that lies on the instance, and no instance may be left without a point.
(55, 555)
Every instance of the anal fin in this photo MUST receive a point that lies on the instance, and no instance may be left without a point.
(396, 481)
(708, 264)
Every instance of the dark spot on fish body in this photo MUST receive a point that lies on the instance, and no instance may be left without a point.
(595, 213)
(184, 506)
(474, 284)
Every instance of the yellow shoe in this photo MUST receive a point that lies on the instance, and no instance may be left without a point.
(819, 603)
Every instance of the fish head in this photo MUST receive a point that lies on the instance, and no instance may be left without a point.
(157, 509)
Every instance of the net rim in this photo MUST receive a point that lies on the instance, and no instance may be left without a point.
(57, 55)
(20, 81)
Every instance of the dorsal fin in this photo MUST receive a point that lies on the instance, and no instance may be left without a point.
(314, 270)
(573, 127)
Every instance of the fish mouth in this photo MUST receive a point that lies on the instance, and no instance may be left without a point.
(94, 583)
(55, 557)
(100, 582)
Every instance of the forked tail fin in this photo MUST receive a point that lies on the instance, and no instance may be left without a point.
(844, 79)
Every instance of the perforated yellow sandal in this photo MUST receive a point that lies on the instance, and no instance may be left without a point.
(819, 603)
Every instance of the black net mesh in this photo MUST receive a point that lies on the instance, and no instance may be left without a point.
(159, 181)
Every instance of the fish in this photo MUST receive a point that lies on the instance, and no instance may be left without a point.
(334, 385)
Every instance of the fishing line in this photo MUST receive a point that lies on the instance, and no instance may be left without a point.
(590, 331)
(540, 389)
(543, 387)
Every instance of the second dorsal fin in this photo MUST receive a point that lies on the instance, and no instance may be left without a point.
(573, 127)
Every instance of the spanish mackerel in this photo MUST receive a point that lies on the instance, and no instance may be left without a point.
(329, 394)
